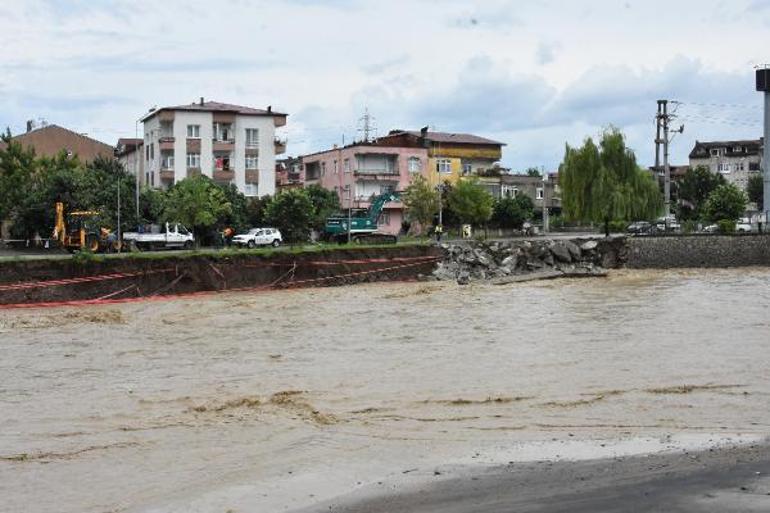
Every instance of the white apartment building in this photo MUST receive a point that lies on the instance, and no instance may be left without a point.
(735, 160)
(228, 143)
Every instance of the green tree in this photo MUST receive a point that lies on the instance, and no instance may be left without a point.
(421, 202)
(470, 202)
(694, 188)
(256, 209)
(17, 167)
(96, 188)
(756, 191)
(293, 213)
(152, 203)
(513, 212)
(604, 183)
(533, 171)
(237, 218)
(325, 203)
(52, 180)
(196, 202)
(727, 202)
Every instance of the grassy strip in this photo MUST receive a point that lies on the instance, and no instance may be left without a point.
(214, 254)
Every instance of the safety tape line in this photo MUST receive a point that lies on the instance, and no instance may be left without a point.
(186, 295)
(84, 279)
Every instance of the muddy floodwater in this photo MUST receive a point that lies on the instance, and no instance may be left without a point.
(276, 401)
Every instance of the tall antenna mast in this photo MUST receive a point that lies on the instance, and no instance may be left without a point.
(367, 124)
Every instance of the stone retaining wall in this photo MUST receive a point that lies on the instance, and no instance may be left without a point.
(698, 251)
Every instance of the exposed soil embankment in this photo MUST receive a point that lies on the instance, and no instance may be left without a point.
(110, 279)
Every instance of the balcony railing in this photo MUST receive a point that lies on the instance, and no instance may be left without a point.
(377, 171)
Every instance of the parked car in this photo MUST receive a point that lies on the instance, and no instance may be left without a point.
(259, 237)
(673, 224)
(743, 227)
(712, 228)
(640, 228)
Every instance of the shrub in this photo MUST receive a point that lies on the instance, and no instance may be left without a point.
(726, 226)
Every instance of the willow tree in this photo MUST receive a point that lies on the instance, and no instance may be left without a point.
(603, 183)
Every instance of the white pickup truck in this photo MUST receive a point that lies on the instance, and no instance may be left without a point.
(175, 236)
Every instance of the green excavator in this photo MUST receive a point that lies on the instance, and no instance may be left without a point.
(363, 223)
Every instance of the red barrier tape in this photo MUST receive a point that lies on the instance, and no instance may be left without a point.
(111, 301)
(84, 279)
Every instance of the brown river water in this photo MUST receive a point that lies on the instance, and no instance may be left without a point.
(270, 402)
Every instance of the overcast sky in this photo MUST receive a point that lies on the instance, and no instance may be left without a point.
(532, 74)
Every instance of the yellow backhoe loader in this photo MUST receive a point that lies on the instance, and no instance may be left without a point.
(83, 230)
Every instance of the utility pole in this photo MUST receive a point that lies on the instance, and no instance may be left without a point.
(545, 202)
(663, 120)
(763, 85)
(119, 238)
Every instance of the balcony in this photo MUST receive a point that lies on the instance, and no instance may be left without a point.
(223, 145)
(166, 175)
(385, 175)
(166, 142)
(223, 175)
(252, 176)
(193, 172)
(280, 146)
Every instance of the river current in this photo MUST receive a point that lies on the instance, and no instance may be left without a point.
(268, 402)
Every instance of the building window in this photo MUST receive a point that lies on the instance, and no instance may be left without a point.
(539, 193)
(336, 168)
(346, 165)
(723, 168)
(147, 153)
(167, 162)
(443, 165)
(415, 166)
(252, 161)
(384, 219)
(250, 189)
(223, 132)
(467, 169)
(193, 131)
(509, 191)
(716, 152)
(323, 168)
(194, 160)
(252, 137)
(753, 166)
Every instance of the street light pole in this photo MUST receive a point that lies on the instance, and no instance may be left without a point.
(137, 156)
(350, 209)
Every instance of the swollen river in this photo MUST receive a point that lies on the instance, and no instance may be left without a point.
(273, 401)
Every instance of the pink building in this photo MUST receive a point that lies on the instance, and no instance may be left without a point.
(362, 171)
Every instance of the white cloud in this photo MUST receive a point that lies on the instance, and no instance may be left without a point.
(532, 74)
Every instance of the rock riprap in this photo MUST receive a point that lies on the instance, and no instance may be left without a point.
(510, 261)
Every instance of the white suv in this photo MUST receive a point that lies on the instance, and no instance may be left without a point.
(259, 237)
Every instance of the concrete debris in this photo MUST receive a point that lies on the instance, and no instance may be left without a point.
(516, 261)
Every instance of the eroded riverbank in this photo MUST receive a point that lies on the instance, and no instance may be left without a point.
(276, 401)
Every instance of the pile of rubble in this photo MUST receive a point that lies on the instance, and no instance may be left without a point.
(510, 261)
